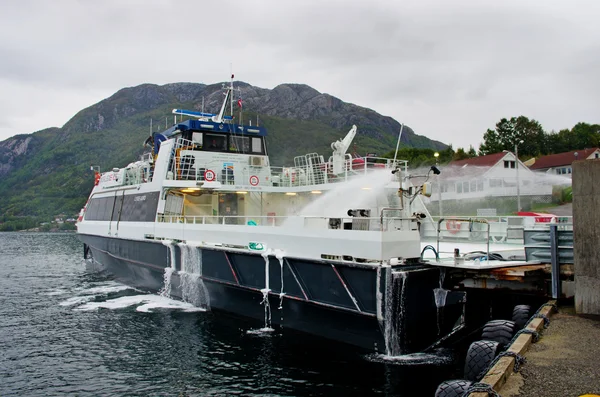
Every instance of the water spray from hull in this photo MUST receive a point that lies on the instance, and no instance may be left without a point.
(395, 308)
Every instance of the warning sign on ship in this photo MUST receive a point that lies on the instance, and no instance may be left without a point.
(254, 180)
(209, 175)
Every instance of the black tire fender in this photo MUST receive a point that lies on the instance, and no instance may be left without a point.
(501, 331)
(452, 388)
(479, 356)
(521, 315)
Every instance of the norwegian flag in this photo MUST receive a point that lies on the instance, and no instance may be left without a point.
(239, 102)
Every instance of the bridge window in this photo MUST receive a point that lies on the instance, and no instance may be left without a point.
(240, 144)
(228, 143)
(197, 138)
(215, 142)
(257, 145)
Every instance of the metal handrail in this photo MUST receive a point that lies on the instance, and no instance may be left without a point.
(221, 219)
(471, 221)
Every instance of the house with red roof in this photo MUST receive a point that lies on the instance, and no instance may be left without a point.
(492, 176)
(560, 163)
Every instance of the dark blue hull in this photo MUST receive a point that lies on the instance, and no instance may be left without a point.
(339, 301)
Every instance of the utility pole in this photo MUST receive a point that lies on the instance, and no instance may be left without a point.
(439, 184)
(517, 169)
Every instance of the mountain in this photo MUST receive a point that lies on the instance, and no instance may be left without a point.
(48, 172)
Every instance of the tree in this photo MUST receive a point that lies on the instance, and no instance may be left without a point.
(461, 154)
(471, 153)
(508, 133)
(581, 136)
(586, 135)
(417, 157)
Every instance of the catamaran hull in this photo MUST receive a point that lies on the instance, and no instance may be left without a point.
(345, 302)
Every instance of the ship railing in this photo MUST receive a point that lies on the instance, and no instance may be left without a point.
(385, 224)
(502, 228)
(471, 222)
(309, 173)
(308, 170)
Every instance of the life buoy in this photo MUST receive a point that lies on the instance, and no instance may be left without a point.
(96, 178)
(290, 173)
(453, 226)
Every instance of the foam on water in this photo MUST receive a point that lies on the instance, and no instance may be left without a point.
(106, 289)
(143, 303)
(109, 296)
(95, 292)
(56, 292)
(77, 300)
(260, 331)
(441, 357)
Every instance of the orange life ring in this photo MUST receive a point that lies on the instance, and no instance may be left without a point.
(453, 226)
(96, 178)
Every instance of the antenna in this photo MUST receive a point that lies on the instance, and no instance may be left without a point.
(231, 98)
(398, 144)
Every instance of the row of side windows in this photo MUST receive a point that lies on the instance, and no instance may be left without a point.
(130, 208)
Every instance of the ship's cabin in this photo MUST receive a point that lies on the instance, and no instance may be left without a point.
(217, 137)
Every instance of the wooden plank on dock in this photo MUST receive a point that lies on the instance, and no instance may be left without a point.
(513, 273)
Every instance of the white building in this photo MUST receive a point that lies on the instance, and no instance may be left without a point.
(560, 163)
(493, 176)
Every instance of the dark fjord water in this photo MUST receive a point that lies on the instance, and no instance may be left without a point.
(64, 331)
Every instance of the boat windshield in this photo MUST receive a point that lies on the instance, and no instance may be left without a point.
(216, 142)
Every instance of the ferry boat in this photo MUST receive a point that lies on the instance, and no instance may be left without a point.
(326, 246)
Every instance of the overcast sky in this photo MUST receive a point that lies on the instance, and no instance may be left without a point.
(448, 69)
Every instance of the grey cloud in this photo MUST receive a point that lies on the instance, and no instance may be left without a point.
(449, 69)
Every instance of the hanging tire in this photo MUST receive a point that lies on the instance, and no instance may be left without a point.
(501, 331)
(452, 388)
(521, 315)
(479, 356)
